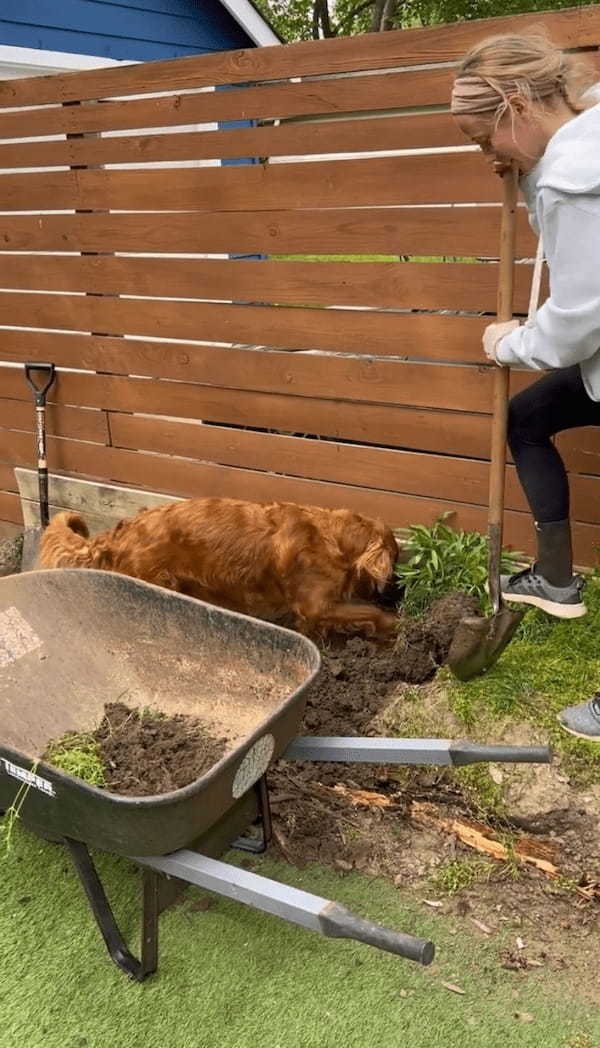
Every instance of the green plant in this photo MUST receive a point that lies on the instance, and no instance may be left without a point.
(482, 794)
(12, 814)
(441, 560)
(77, 754)
(459, 874)
(148, 713)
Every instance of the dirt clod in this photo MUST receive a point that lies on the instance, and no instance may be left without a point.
(145, 753)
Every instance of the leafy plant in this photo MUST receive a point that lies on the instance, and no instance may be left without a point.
(442, 560)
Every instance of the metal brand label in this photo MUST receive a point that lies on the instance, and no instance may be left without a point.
(28, 777)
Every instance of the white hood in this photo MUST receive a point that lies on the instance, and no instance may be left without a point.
(571, 163)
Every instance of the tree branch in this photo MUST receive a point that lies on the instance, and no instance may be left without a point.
(325, 20)
(378, 7)
(387, 18)
(315, 20)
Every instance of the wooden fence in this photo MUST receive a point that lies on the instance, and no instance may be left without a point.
(303, 378)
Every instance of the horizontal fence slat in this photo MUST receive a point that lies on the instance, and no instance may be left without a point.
(456, 435)
(191, 479)
(404, 231)
(575, 27)
(436, 386)
(307, 379)
(296, 456)
(444, 178)
(287, 100)
(437, 476)
(188, 478)
(61, 421)
(375, 284)
(7, 478)
(423, 131)
(10, 508)
(363, 94)
(580, 449)
(434, 476)
(433, 337)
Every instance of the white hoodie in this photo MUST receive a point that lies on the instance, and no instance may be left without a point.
(563, 196)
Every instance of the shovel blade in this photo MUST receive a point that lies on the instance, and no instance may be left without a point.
(478, 643)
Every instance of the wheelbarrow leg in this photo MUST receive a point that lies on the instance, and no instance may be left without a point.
(258, 845)
(150, 913)
(105, 919)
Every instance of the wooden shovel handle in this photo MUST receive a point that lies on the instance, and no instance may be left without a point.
(501, 374)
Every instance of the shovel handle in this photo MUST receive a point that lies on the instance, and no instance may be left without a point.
(501, 384)
(40, 385)
(40, 390)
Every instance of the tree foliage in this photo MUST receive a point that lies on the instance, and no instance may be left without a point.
(312, 19)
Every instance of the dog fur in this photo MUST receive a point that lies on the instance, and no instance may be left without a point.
(321, 568)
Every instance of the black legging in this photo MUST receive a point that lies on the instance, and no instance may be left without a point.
(556, 402)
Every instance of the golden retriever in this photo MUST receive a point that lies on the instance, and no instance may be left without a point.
(317, 567)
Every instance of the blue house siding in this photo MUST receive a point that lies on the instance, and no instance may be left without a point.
(138, 30)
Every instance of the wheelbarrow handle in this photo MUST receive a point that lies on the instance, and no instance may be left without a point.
(320, 915)
(40, 391)
(472, 753)
(338, 923)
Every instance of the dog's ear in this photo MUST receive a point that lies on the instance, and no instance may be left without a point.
(376, 562)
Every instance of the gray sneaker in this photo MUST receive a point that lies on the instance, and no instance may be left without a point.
(527, 587)
(582, 720)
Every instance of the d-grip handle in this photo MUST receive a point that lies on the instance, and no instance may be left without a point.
(40, 391)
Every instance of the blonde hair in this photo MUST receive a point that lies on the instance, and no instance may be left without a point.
(500, 68)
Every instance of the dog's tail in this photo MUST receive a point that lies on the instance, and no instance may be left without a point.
(65, 543)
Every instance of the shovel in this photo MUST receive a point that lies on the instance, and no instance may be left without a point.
(39, 377)
(479, 642)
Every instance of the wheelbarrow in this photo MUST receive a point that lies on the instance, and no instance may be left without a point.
(72, 640)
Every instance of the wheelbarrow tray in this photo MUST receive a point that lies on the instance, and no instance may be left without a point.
(73, 640)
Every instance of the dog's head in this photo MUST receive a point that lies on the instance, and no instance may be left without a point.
(377, 561)
(373, 550)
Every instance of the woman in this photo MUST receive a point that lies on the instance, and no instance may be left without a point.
(519, 98)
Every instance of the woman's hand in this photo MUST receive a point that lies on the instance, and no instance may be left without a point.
(493, 335)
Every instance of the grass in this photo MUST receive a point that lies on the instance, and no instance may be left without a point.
(231, 977)
(454, 877)
(479, 789)
(550, 664)
(77, 754)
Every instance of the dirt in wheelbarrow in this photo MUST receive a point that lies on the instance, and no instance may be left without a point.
(144, 752)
